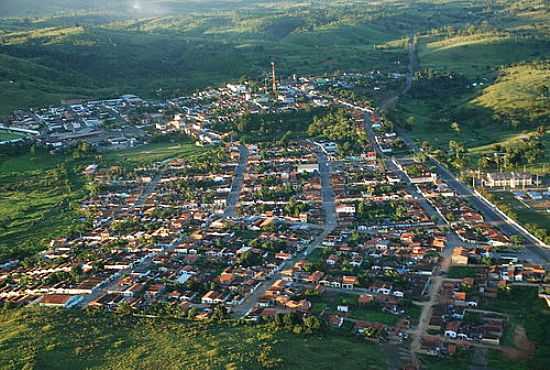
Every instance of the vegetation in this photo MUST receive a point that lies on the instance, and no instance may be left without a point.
(537, 223)
(524, 306)
(50, 339)
(275, 126)
(54, 339)
(459, 272)
(339, 127)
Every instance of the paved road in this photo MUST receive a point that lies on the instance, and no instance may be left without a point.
(533, 251)
(391, 165)
(330, 222)
(236, 185)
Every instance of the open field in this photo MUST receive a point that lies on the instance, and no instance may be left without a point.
(477, 56)
(60, 339)
(53, 339)
(328, 352)
(153, 153)
(526, 214)
(40, 193)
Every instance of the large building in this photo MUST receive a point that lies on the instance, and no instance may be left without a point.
(508, 179)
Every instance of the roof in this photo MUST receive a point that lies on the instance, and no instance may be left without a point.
(55, 299)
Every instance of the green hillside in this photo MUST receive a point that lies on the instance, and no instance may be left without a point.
(64, 49)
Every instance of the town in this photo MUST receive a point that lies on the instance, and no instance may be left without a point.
(365, 237)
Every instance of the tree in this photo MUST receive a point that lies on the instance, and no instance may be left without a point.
(411, 122)
(516, 240)
(312, 323)
(455, 126)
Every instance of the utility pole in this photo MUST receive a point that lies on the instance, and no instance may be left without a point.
(274, 80)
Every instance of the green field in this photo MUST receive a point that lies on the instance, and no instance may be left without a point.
(328, 352)
(460, 272)
(524, 307)
(478, 55)
(40, 193)
(153, 153)
(61, 339)
(525, 213)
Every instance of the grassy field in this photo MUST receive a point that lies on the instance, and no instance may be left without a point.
(518, 92)
(153, 153)
(51, 339)
(525, 214)
(371, 313)
(459, 362)
(459, 272)
(328, 352)
(500, 114)
(57, 339)
(40, 193)
(477, 56)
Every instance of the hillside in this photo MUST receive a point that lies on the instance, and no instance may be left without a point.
(166, 48)
(521, 93)
(481, 83)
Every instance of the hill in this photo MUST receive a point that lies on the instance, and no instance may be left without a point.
(65, 49)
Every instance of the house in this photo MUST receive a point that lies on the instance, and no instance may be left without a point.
(315, 277)
(308, 168)
(344, 309)
(212, 297)
(459, 257)
(348, 282)
(59, 300)
(332, 260)
(336, 321)
(365, 299)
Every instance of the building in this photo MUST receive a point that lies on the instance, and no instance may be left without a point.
(308, 168)
(508, 179)
(459, 257)
(60, 300)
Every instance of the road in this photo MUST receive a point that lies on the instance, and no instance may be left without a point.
(391, 165)
(533, 250)
(436, 280)
(236, 185)
(330, 222)
(411, 68)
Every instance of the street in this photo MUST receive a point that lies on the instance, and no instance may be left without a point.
(236, 185)
(329, 211)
